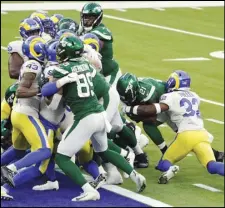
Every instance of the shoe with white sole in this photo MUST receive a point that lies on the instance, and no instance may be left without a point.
(50, 185)
(99, 181)
(141, 183)
(4, 195)
(113, 175)
(169, 174)
(130, 159)
(87, 196)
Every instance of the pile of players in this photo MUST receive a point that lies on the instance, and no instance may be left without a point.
(65, 103)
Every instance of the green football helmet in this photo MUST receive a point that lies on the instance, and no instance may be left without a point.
(69, 24)
(69, 48)
(127, 87)
(91, 16)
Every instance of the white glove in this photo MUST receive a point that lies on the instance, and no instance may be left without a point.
(71, 77)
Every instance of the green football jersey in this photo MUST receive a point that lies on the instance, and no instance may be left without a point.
(10, 94)
(109, 65)
(79, 95)
(150, 90)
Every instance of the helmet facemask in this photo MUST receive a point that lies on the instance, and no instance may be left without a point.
(88, 21)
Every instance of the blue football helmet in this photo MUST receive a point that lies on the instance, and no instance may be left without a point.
(178, 80)
(51, 50)
(55, 19)
(92, 40)
(63, 33)
(34, 48)
(29, 27)
(45, 23)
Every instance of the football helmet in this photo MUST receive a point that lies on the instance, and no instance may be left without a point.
(178, 80)
(127, 87)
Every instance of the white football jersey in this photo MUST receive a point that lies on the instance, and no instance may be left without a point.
(184, 110)
(29, 106)
(16, 47)
(53, 116)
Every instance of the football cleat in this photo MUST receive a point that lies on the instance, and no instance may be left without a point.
(140, 181)
(49, 185)
(4, 195)
(169, 174)
(141, 161)
(87, 196)
(7, 175)
(220, 157)
(99, 181)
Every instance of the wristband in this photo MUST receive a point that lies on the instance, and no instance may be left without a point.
(158, 108)
(134, 109)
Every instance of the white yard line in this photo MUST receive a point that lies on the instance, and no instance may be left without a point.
(212, 102)
(196, 8)
(214, 120)
(209, 188)
(163, 27)
(188, 59)
(3, 12)
(121, 10)
(159, 9)
(108, 5)
(3, 48)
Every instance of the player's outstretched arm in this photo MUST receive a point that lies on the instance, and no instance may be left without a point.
(24, 89)
(14, 65)
(147, 110)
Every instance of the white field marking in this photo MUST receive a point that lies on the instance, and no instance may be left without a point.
(108, 5)
(164, 27)
(17, 37)
(188, 59)
(3, 12)
(3, 48)
(214, 120)
(217, 54)
(124, 192)
(137, 197)
(121, 10)
(189, 155)
(212, 102)
(197, 8)
(202, 99)
(206, 187)
(159, 9)
(163, 125)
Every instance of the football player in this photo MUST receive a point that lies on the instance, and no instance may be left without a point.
(28, 131)
(91, 21)
(75, 77)
(28, 27)
(139, 91)
(182, 106)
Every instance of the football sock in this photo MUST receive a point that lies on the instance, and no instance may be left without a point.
(128, 136)
(11, 154)
(33, 158)
(92, 168)
(70, 169)
(50, 172)
(117, 160)
(215, 168)
(153, 132)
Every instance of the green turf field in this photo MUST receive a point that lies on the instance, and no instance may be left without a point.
(140, 49)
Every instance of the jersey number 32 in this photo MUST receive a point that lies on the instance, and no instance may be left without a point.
(191, 107)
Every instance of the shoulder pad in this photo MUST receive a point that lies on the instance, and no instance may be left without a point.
(103, 33)
(31, 66)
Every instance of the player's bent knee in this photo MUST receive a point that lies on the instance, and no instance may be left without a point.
(164, 165)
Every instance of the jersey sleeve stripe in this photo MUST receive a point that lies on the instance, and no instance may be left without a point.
(102, 35)
(149, 95)
(62, 71)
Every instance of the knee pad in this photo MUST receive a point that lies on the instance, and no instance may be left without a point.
(164, 165)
